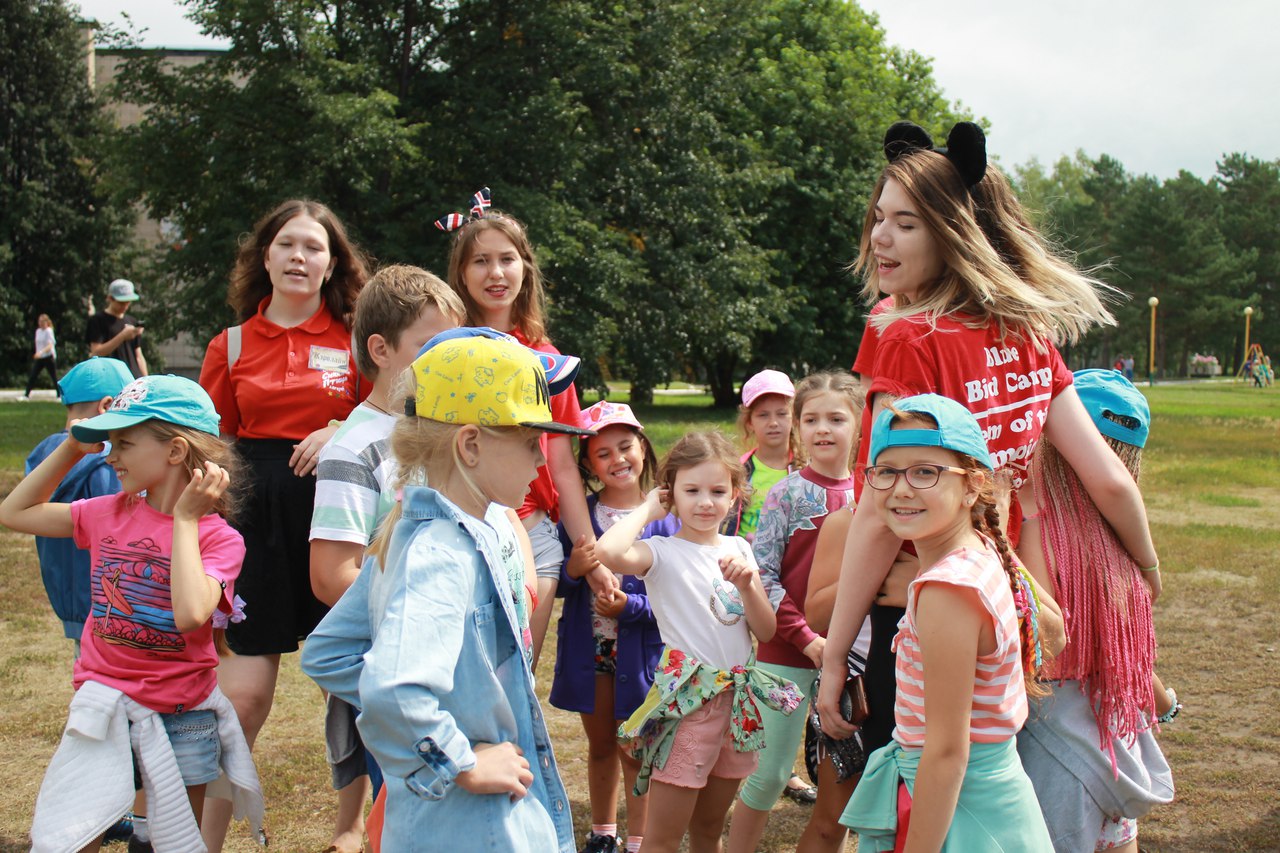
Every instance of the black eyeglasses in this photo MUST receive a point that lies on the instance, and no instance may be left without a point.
(883, 477)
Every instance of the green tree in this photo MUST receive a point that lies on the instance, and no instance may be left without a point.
(1170, 245)
(823, 86)
(694, 174)
(58, 229)
(1250, 199)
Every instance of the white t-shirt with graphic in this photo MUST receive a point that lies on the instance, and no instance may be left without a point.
(698, 611)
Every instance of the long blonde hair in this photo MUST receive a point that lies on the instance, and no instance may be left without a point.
(425, 449)
(1044, 300)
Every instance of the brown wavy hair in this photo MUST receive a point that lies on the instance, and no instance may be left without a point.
(250, 283)
(1019, 289)
(529, 313)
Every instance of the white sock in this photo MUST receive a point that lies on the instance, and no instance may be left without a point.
(140, 829)
(633, 843)
(604, 829)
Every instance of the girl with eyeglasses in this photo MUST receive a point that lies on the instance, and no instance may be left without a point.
(967, 651)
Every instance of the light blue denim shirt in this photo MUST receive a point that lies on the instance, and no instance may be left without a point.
(429, 651)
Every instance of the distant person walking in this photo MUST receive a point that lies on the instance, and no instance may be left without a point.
(1128, 367)
(115, 333)
(45, 357)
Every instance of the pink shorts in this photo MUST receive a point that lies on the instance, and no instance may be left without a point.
(703, 747)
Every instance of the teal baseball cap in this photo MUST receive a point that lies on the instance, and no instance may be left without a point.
(1116, 405)
(93, 379)
(956, 429)
(168, 398)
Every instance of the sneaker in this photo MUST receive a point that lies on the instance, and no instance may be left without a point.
(603, 844)
(121, 830)
(137, 845)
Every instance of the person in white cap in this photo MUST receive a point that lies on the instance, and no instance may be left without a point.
(116, 334)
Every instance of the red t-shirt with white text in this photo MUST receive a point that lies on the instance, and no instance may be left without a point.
(1007, 384)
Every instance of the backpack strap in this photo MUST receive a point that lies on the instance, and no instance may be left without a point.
(234, 340)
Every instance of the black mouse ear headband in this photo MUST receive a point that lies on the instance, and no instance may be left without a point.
(966, 147)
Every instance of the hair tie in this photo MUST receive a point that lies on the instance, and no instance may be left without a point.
(966, 147)
(221, 620)
(480, 202)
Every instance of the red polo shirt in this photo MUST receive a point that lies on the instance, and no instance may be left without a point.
(287, 382)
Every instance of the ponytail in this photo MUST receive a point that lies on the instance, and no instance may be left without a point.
(985, 515)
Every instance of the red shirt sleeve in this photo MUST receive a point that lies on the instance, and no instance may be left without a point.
(904, 365)
(215, 379)
(865, 362)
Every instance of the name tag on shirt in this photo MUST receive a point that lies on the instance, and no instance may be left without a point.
(328, 358)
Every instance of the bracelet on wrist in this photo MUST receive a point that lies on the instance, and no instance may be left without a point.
(1154, 568)
(1168, 716)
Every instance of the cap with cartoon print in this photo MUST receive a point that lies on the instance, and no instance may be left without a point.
(486, 379)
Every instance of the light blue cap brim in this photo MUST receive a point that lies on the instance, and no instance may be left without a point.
(95, 429)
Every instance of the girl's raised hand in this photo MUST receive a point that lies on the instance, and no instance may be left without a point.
(202, 492)
(501, 768)
(738, 571)
(80, 446)
(658, 503)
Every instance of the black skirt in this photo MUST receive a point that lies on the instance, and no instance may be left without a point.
(275, 582)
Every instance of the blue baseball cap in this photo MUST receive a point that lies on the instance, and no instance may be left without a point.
(91, 380)
(1107, 392)
(172, 399)
(957, 430)
(561, 370)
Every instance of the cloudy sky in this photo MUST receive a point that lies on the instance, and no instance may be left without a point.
(1161, 86)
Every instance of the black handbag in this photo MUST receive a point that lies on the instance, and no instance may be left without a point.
(847, 755)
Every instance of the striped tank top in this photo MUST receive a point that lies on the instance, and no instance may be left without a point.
(999, 694)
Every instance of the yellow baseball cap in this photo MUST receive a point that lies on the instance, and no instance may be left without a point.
(487, 382)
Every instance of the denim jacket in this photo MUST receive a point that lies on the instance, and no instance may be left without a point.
(429, 651)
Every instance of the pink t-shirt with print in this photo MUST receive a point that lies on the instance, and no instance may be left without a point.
(130, 640)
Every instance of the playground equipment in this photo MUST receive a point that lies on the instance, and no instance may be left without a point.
(1256, 367)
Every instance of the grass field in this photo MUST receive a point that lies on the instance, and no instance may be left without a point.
(1212, 480)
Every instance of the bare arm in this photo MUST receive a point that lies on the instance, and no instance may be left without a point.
(1105, 478)
(193, 593)
(334, 567)
(26, 509)
(869, 553)
(619, 548)
(828, 553)
(568, 482)
(949, 621)
(143, 370)
(1053, 627)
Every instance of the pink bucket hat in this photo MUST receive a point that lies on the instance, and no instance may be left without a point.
(767, 382)
(605, 414)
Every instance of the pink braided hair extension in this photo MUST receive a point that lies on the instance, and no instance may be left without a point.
(1106, 604)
